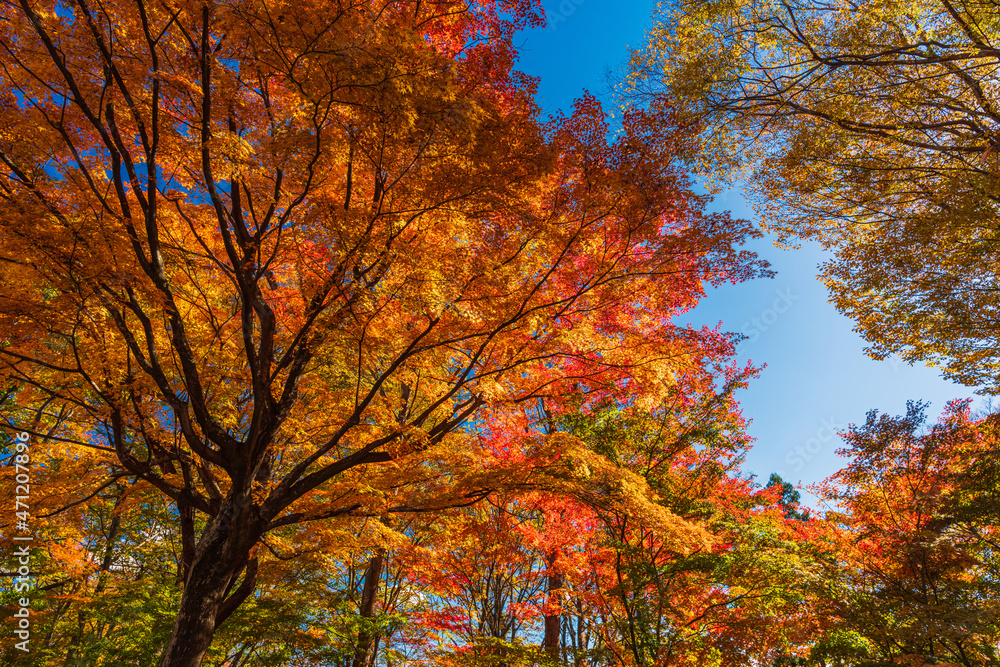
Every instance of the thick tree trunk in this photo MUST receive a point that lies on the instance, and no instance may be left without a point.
(367, 639)
(222, 555)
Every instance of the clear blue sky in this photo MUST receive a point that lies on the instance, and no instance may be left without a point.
(818, 379)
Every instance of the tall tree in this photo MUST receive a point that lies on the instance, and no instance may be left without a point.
(275, 256)
(914, 576)
(871, 127)
(733, 594)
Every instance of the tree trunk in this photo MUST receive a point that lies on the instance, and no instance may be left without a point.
(553, 614)
(366, 636)
(187, 541)
(222, 555)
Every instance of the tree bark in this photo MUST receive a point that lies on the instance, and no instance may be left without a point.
(223, 553)
(186, 513)
(553, 615)
(366, 637)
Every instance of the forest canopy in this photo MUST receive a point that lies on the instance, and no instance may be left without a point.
(870, 127)
(319, 345)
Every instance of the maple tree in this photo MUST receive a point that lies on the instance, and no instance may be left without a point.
(730, 596)
(266, 262)
(586, 581)
(484, 575)
(912, 577)
(871, 127)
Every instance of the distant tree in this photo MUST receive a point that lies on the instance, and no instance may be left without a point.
(915, 575)
(790, 497)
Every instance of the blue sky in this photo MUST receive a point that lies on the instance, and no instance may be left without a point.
(818, 379)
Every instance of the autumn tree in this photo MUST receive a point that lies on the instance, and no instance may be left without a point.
(730, 594)
(589, 581)
(871, 127)
(913, 578)
(270, 259)
(485, 582)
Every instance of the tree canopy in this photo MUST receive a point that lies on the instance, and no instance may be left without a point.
(323, 348)
(870, 127)
(274, 262)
